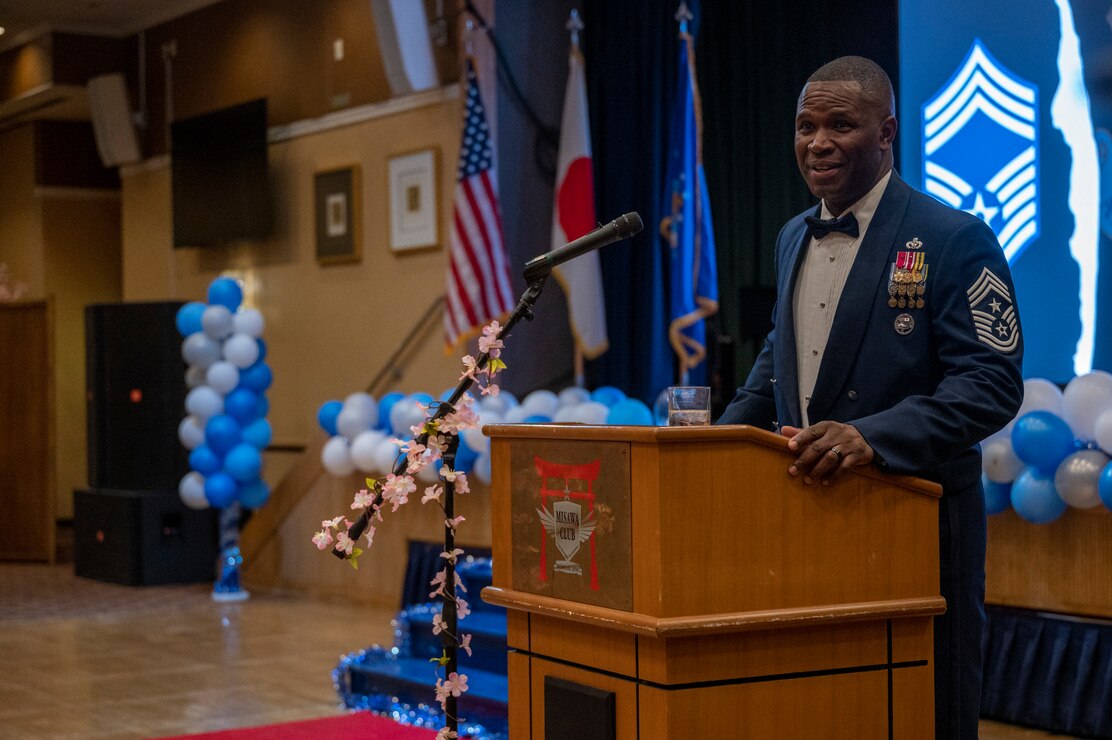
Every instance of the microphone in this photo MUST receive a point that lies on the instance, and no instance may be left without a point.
(620, 228)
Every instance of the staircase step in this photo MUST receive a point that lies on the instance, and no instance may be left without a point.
(413, 680)
(487, 630)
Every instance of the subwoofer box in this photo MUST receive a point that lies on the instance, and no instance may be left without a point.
(142, 538)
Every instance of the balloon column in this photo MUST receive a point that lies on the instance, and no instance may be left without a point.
(1055, 453)
(363, 432)
(225, 428)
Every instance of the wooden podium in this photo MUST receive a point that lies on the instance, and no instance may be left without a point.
(677, 583)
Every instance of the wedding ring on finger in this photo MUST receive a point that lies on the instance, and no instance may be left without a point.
(837, 452)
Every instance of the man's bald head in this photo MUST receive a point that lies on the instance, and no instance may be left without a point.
(874, 82)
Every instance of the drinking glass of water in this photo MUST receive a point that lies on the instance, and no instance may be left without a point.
(688, 406)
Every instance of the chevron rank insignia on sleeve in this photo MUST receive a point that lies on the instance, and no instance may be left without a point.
(990, 303)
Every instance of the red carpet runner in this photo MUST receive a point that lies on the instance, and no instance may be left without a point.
(357, 726)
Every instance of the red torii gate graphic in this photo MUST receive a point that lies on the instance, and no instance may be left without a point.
(587, 472)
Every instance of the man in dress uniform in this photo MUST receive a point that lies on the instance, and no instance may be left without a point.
(896, 343)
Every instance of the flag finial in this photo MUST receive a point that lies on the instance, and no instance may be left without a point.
(575, 25)
(469, 32)
(683, 15)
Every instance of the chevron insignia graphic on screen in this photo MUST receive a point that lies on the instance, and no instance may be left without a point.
(980, 148)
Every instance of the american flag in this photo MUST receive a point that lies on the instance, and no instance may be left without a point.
(478, 287)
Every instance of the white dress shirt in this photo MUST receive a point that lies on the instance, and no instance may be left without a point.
(818, 289)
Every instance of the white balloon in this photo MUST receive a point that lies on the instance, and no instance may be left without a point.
(217, 322)
(223, 376)
(351, 422)
(516, 415)
(191, 432)
(241, 350)
(367, 405)
(363, 449)
(1103, 431)
(592, 412)
(428, 474)
(249, 321)
(481, 469)
(999, 460)
(200, 349)
(407, 412)
(336, 457)
(566, 414)
(1078, 476)
(192, 491)
(204, 403)
(573, 396)
(1087, 397)
(500, 404)
(194, 376)
(541, 402)
(385, 455)
(1040, 395)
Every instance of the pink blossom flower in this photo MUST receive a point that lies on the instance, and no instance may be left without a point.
(442, 691)
(489, 342)
(462, 609)
(491, 389)
(370, 535)
(439, 582)
(437, 624)
(432, 493)
(397, 488)
(462, 486)
(344, 543)
(451, 556)
(363, 499)
(469, 367)
(331, 523)
(465, 644)
(453, 523)
(456, 683)
(322, 539)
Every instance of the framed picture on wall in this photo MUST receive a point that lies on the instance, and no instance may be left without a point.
(413, 211)
(337, 197)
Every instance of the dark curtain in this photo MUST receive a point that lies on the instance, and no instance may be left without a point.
(752, 60)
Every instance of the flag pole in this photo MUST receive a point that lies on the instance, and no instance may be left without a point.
(574, 26)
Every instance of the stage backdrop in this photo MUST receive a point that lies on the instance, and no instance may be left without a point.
(1005, 113)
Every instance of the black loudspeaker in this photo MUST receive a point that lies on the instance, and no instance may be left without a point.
(142, 538)
(135, 391)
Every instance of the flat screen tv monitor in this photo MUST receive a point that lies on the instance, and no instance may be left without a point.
(221, 191)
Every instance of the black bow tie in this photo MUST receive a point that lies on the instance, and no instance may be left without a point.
(820, 227)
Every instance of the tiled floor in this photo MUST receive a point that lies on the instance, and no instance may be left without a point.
(84, 659)
(148, 662)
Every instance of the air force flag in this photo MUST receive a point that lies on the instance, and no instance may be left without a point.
(980, 148)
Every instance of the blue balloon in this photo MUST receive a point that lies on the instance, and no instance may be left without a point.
(1042, 440)
(537, 419)
(221, 490)
(630, 411)
(607, 395)
(262, 350)
(222, 434)
(225, 292)
(384, 405)
(262, 408)
(242, 404)
(254, 494)
(205, 461)
(243, 463)
(424, 398)
(998, 496)
(465, 457)
(257, 434)
(258, 377)
(188, 319)
(1104, 486)
(1034, 498)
